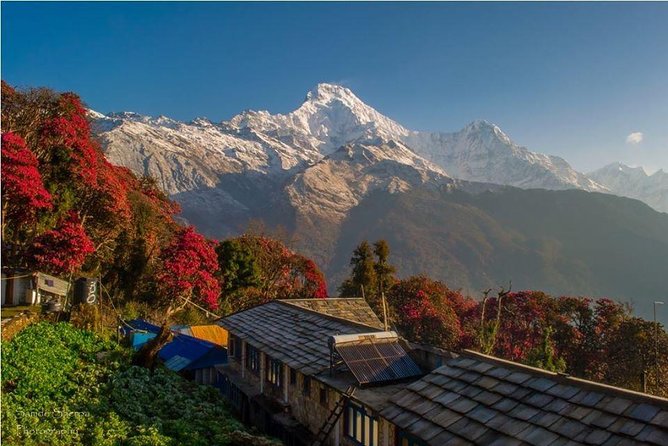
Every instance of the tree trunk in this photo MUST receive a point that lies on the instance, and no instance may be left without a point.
(147, 356)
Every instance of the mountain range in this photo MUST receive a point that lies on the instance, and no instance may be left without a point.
(335, 171)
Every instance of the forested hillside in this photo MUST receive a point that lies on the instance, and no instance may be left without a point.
(564, 242)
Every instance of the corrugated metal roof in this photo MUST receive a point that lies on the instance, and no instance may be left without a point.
(139, 339)
(186, 349)
(177, 363)
(294, 335)
(212, 333)
(475, 399)
(215, 356)
(186, 346)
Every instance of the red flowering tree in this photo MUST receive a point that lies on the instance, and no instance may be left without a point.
(583, 329)
(23, 191)
(425, 311)
(311, 281)
(64, 249)
(186, 276)
(524, 318)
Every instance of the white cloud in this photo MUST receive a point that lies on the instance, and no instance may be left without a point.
(634, 138)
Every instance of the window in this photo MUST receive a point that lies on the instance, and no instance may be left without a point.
(360, 426)
(293, 377)
(406, 439)
(306, 385)
(323, 395)
(235, 347)
(230, 346)
(274, 369)
(252, 358)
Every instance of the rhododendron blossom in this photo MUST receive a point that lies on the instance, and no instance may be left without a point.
(64, 249)
(189, 263)
(22, 186)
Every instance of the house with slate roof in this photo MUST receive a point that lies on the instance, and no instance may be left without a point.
(324, 372)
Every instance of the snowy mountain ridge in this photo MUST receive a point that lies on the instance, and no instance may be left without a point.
(634, 182)
(199, 156)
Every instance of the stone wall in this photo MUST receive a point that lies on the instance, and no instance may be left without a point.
(308, 409)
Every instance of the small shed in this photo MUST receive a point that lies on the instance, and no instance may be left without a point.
(31, 288)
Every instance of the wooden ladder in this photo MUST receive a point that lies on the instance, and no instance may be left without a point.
(334, 416)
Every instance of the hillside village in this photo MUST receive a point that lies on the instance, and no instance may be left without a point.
(102, 284)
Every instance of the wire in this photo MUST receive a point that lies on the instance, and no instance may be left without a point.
(17, 277)
(118, 314)
(201, 308)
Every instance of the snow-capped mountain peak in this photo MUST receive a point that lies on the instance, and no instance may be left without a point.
(330, 117)
(634, 182)
(325, 93)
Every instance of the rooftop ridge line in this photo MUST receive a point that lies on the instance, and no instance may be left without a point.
(570, 380)
(315, 299)
(287, 303)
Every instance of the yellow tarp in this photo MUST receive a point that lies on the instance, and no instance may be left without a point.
(212, 333)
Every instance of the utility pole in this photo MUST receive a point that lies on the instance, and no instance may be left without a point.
(656, 345)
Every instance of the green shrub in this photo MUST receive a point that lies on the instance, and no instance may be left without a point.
(67, 386)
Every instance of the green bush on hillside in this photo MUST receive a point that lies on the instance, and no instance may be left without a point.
(66, 386)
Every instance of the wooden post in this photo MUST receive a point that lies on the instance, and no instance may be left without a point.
(243, 359)
(261, 372)
(286, 384)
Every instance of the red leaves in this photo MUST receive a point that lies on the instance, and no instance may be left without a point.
(282, 273)
(188, 265)
(64, 249)
(314, 280)
(22, 186)
(426, 311)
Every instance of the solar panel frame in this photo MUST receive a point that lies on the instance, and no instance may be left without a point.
(375, 361)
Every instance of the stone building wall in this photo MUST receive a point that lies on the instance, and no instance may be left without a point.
(308, 409)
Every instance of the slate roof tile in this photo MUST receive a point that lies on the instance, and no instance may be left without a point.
(540, 384)
(661, 419)
(537, 435)
(631, 428)
(482, 414)
(597, 436)
(538, 399)
(505, 405)
(444, 418)
(442, 438)
(523, 412)
(447, 397)
(614, 404)
(563, 391)
(462, 405)
(518, 377)
(487, 398)
(643, 412)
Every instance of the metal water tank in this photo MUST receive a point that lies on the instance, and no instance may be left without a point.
(86, 291)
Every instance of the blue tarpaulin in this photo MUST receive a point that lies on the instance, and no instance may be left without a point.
(182, 353)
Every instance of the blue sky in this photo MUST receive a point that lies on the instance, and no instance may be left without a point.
(571, 79)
